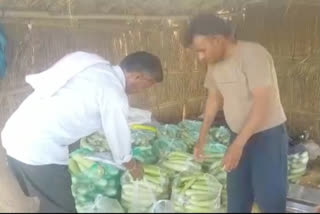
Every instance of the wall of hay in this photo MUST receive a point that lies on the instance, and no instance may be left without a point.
(290, 34)
(33, 48)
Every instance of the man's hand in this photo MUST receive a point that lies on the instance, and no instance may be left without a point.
(233, 156)
(135, 168)
(198, 152)
(317, 210)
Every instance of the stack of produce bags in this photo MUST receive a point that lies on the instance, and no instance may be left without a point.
(140, 195)
(90, 179)
(297, 166)
(196, 193)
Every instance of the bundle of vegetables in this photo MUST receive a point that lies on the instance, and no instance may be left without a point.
(196, 193)
(90, 178)
(95, 142)
(181, 162)
(221, 134)
(216, 169)
(145, 154)
(140, 195)
(169, 130)
(214, 152)
(190, 132)
(164, 145)
(297, 166)
(142, 134)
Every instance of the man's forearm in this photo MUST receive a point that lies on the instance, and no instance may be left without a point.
(207, 122)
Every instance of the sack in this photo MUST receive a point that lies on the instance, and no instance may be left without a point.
(196, 193)
(90, 179)
(140, 195)
(101, 205)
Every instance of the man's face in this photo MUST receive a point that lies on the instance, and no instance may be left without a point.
(138, 81)
(209, 49)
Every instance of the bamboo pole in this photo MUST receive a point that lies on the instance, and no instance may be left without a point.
(46, 15)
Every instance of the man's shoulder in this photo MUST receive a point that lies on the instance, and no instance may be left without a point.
(252, 50)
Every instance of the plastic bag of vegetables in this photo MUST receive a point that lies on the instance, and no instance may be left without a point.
(190, 132)
(221, 134)
(169, 130)
(196, 193)
(214, 152)
(95, 142)
(217, 171)
(181, 162)
(145, 154)
(140, 195)
(164, 145)
(142, 134)
(90, 178)
(297, 166)
(101, 205)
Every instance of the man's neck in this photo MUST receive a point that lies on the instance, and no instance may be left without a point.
(230, 49)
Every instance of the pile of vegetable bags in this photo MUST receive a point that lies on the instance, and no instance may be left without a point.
(196, 193)
(168, 140)
(142, 138)
(91, 179)
(140, 195)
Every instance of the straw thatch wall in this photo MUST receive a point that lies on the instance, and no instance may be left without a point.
(291, 34)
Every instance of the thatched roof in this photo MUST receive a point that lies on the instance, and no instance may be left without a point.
(135, 7)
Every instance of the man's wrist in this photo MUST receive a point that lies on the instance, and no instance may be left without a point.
(130, 165)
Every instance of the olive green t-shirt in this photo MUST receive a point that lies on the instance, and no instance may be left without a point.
(251, 66)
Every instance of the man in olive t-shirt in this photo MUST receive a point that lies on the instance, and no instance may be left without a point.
(241, 80)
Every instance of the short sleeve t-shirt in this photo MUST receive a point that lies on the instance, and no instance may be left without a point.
(251, 66)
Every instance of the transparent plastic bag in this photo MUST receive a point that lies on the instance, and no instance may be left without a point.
(162, 206)
(196, 193)
(180, 162)
(142, 135)
(297, 166)
(101, 205)
(214, 152)
(140, 195)
(95, 142)
(91, 178)
(145, 154)
(221, 134)
(164, 145)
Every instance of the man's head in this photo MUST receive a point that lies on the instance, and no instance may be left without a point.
(208, 35)
(142, 70)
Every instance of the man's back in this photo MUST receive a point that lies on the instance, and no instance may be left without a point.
(40, 131)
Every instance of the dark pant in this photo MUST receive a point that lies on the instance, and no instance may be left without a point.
(261, 175)
(50, 183)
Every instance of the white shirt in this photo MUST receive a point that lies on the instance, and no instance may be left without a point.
(91, 99)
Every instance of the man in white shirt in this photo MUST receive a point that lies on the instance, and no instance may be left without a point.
(82, 93)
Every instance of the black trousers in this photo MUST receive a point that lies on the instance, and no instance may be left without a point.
(50, 183)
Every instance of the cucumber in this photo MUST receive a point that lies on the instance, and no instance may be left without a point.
(207, 203)
(191, 192)
(297, 171)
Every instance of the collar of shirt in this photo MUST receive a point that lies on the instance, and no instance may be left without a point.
(120, 75)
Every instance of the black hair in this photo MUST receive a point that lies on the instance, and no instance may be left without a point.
(142, 61)
(206, 25)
